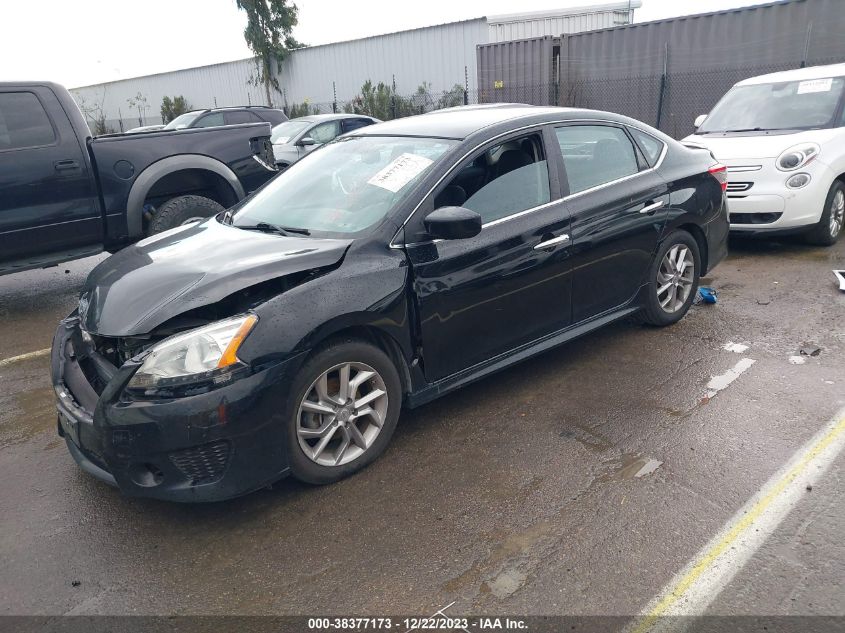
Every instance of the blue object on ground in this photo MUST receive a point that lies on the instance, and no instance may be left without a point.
(707, 295)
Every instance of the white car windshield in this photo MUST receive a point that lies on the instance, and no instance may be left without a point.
(787, 105)
(344, 187)
(182, 121)
(284, 132)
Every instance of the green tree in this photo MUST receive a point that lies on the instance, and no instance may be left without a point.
(452, 98)
(302, 109)
(382, 102)
(268, 35)
(171, 108)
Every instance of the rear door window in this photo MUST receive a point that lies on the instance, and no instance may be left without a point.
(241, 116)
(651, 147)
(595, 155)
(354, 124)
(210, 120)
(23, 122)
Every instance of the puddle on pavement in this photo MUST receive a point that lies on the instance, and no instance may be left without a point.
(587, 437)
(505, 583)
(630, 466)
(510, 547)
(32, 412)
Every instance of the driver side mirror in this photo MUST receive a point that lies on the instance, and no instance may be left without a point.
(306, 140)
(699, 120)
(452, 223)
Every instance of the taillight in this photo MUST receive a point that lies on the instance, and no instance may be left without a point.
(720, 173)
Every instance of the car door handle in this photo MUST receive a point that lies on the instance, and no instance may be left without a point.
(556, 241)
(64, 165)
(652, 207)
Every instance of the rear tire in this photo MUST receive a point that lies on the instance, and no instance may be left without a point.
(181, 210)
(829, 228)
(315, 411)
(672, 286)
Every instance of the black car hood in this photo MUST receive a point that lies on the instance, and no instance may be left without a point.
(144, 285)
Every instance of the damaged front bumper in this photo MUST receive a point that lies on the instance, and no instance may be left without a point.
(206, 447)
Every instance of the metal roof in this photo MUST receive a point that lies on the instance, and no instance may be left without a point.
(799, 74)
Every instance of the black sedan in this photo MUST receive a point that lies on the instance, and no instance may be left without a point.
(389, 268)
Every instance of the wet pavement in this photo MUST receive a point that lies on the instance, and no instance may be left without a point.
(579, 482)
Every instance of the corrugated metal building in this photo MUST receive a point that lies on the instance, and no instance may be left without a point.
(667, 72)
(664, 72)
(520, 26)
(441, 56)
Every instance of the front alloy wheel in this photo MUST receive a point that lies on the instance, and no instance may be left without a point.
(342, 414)
(343, 408)
(837, 213)
(829, 226)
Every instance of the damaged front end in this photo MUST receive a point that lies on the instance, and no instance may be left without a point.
(152, 395)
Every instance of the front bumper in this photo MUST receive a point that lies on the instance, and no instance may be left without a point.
(207, 447)
(765, 205)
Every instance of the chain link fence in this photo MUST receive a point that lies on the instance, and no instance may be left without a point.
(668, 102)
(386, 104)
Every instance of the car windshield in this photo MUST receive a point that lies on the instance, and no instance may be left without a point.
(284, 132)
(344, 187)
(182, 121)
(776, 106)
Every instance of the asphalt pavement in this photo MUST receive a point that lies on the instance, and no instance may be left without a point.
(581, 482)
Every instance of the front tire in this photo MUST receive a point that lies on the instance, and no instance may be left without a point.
(182, 210)
(829, 228)
(344, 406)
(673, 278)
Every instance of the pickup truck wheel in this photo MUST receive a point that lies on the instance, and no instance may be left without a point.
(182, 210)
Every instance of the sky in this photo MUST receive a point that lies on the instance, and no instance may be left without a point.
(83, 42)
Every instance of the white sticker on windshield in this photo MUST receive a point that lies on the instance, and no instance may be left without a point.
(400, 172)
(814, 85)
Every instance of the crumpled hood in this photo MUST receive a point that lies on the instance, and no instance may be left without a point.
(144, 285)
(758, 146)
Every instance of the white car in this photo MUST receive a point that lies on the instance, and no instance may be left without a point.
(783, 141)
(295, 138)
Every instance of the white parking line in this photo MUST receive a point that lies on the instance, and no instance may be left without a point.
(717, 383)
(710, 571)
(15, 359)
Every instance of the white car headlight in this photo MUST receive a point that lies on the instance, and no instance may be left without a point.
(203, 354)
(797, 156)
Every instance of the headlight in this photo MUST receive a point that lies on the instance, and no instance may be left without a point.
(798, 156)
(206, 354)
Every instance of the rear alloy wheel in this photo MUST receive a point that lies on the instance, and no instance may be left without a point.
(182, 210)
(829, 228)
(347, 401)
(674, 279)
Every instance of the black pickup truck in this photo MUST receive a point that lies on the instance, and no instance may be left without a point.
(65, 195)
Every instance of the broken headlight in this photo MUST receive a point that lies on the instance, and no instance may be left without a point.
(206, 354)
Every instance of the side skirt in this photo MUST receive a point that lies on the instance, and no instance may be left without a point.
(464, 377)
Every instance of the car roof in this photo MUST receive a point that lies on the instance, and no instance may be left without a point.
(224, 108)
(799, 74)
(462, 121)
(331, 117)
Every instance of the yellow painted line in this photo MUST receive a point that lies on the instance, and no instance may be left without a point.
(15, 359)
(706, 560)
